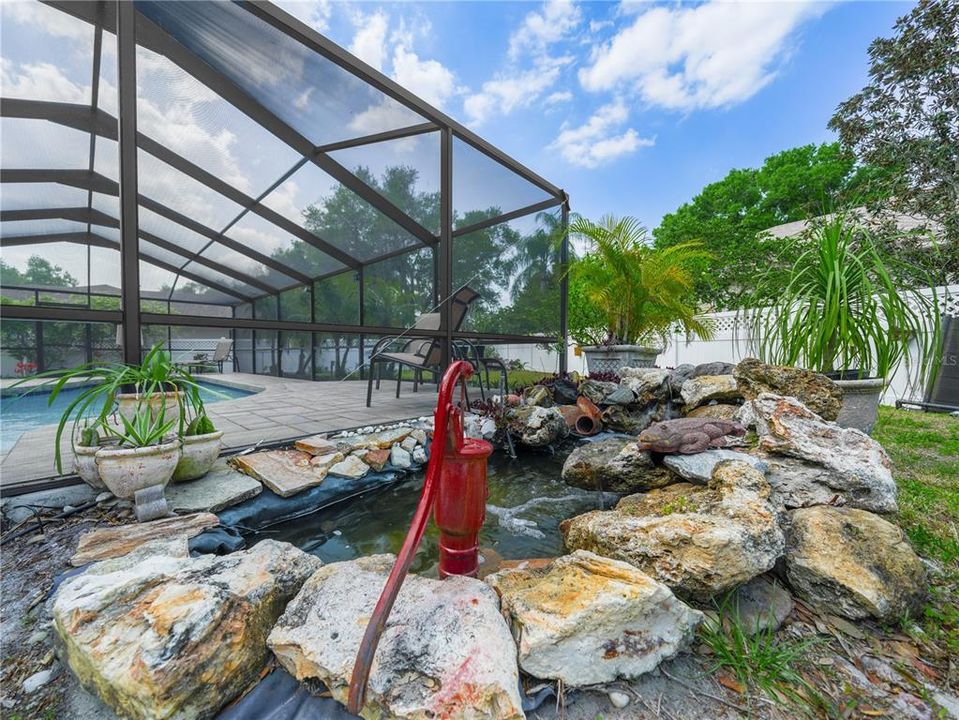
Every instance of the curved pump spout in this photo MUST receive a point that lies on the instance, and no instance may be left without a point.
(456, 485)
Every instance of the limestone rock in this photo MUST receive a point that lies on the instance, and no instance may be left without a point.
(762, 603)
(325, 462)
(285, 472)
(701, 389)
(350, 467)
(852, 563)
(699, 468)
(631, 421)
(615, 465)
(400, 458)
(419, 455)
(597, 390)
(586, 619)
(717, 411)
(419, 435)
(677, 376)
(170, 636)
(387, 438)
(649, 384)
(835, 461)
(621, 396)
(699, 541)
(316, 445)
(565, 391)
(712, 368)
(377, 459)
(446, 651)
(114, 542)
(408, 444)
(537, 426)
(220, 488)
(812, 389)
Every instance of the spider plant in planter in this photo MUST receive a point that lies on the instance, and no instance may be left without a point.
(639, 293)
(146, 455)
(841, 313)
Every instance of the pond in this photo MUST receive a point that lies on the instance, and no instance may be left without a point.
(527, 501)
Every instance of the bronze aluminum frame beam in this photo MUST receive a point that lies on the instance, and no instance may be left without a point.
(100, 241)
(506, 217)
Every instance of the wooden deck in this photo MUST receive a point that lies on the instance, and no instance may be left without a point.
(282, 409)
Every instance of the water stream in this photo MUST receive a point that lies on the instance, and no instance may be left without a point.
(527, 501)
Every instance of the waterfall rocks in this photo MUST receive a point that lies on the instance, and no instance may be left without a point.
(813, 461)
(536, 426)
(698, 468)
(699, 541)
(158, 634)
(812, 389)
(585, 619)
(446, 650)
(701, 389)
(615, 465)
(852, 563)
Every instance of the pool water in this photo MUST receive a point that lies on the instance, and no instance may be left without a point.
(527, 501)
(20, 413)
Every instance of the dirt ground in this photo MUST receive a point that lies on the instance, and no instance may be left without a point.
(856, 670)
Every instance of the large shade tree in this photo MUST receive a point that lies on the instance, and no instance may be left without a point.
(906, 119)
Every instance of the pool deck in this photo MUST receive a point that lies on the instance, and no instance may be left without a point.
(283, 408)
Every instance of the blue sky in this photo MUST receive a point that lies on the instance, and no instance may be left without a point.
(631, 107)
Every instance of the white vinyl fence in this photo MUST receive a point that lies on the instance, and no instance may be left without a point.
(732, 344)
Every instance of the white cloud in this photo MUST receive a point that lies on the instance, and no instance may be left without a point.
(704, 56)
(369, 43)
(595, 143)
(40, 81)
(540, 29)
(560, 96)
(315, 13)
(429, 79)
(509, 91)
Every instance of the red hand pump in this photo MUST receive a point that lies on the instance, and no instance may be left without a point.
(456, 480)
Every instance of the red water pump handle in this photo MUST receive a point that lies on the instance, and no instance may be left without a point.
(447, 428)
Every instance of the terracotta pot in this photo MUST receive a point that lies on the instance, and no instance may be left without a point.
(610, 358)
(591, 421)
(199, 452)
(126, 470)
(167, 403)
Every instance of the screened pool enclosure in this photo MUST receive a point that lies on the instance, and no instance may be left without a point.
(176, 171)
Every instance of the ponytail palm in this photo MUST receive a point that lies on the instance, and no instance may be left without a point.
(642, 292)
(841, 309)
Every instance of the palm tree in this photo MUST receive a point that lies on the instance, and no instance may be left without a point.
(642, 291)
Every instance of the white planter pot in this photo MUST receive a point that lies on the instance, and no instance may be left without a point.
(166, 403)
(199, 452)
(126, 470)
(610, 358)
(860, 403)
(85, 465)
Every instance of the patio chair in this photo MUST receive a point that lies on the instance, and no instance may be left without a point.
(221, 353)
(422, 355)
(942, 394)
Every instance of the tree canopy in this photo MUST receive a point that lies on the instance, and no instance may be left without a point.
(728, 216)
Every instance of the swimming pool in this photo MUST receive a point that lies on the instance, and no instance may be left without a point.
(19, 413)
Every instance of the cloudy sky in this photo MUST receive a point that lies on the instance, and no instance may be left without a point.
(632, 106)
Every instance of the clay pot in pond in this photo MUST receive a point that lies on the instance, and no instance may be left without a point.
(126, 470)
(166, 403)
(199, 452)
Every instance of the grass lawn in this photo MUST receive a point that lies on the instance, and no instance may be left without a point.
(924, 448)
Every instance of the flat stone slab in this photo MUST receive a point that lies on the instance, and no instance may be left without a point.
(285, 472)
(115, 542)
(699, 468)
(316, 445)
(220, 488)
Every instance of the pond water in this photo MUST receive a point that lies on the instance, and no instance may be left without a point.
(527, 501)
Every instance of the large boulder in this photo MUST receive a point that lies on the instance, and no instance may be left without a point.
(158, 634)
(699, 541)
(715, 411)
(852, 563)
(649, 384)
(677, 376)
(615, 465)
(712, 368)
(812, 389)
(812, 461)
(537, 426)
(445, 652)
(699, 468)
(597, 390)
(631, 420)
(702, 389)
(586, 619)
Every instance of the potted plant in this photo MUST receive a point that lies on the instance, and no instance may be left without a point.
(842, 313)
(146, 454)
(201, 443)
(627, 296)
(85, 446)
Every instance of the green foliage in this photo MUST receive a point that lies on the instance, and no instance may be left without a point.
(641, 291)
(89, 437)
(841, 308)
(145, 428)
(906, 119)
(200, 425)
(757, 658)
(728, 216)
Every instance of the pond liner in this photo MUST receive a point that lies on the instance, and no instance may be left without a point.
(278, 696)
(268, 508)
